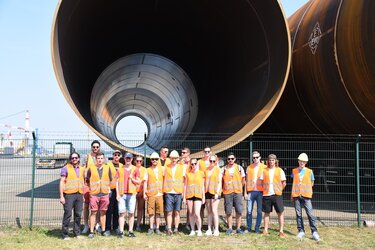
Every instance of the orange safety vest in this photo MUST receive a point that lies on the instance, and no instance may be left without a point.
(114, 173)
(212, 183)
(132, 188)
(302, 188)
(232, 184)
(97, 184)
(142, 172)
(154, 185)
(74, 183)
(277, 184)
(250, 178)
(194, 184)
(202, 165)
(176, 183)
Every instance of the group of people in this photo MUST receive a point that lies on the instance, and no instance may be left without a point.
(107, 192)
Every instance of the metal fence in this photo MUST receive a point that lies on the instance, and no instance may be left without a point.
(344, 168)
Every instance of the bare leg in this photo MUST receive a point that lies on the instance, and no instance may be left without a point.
(215, 214)
(176, 219)
(229, 220)
(102, 219)
(92, 220)
(152, 220)
(169, 220)
(197, 210)
(131, 222)
(238, 220)
(266, 221)
(281, 221)
(140, 208)
(191, 214)
(209, 213)
(157, 216)
(121, 222)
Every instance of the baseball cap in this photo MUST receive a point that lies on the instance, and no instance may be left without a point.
(128, 155)
(117, 152)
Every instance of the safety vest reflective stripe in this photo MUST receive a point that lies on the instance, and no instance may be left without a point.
(194, 187)
(250, 178)
(98, 185)
(277, 184)
(74, 183)
(154, 185)
(304, 187)
(132, 188)
(232, 184)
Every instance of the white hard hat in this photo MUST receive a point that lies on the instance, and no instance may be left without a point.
(303, 157)
(154, 155)
(174, 154)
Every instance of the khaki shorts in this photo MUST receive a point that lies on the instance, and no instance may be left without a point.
(155, 205)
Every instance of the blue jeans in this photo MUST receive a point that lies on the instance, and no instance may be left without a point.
(306, 203)
(255, 196)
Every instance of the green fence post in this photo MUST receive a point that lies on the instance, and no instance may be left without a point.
(251, 148)
(145, 165)
(358, 181)
(32, 183)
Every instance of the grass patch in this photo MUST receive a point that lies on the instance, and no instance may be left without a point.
(50, 238)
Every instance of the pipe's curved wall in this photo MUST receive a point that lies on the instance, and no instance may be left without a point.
(331, 87)
(234, 55)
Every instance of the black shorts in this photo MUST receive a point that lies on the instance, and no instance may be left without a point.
(194, 199)
(275, 201)
(210, 196)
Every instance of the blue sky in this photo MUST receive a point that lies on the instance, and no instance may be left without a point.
(27, 79)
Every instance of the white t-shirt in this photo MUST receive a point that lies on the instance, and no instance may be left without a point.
(231, 170)
(272, 172)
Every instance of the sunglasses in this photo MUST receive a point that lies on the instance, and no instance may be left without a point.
(256, 157)
(154, 159)
(230, 159)
(207, 151)
(95, 146)
(74, 158)
(194, 163)
(128, 158)
(116, 155)
(138, 160)
(165, 152)
(183, 152)
(212, 161)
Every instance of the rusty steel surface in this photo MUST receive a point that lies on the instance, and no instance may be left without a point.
(331, 86)
(184, 67)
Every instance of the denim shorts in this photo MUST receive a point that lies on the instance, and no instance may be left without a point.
(172, 202)
(127, 203)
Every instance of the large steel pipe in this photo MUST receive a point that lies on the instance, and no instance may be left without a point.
(331, 88)
(183, 66)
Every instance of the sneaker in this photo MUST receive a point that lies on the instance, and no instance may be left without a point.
(157, 231)
(79, 237)
(85, 230)
(316, 236)
(66, 237)
(281, 235)
(208, 232)
(192, 233)
(300, 235)
(120, 235)
(150, 231)
(187, 227)
(216, 233)
(131, 235)
(107, 233)
(199, 233)
(98, 228)
(229, 231)
(175, 231)
(138, 229)
(169, 232)
(239, 231)
(91, 236)
(117, 231)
